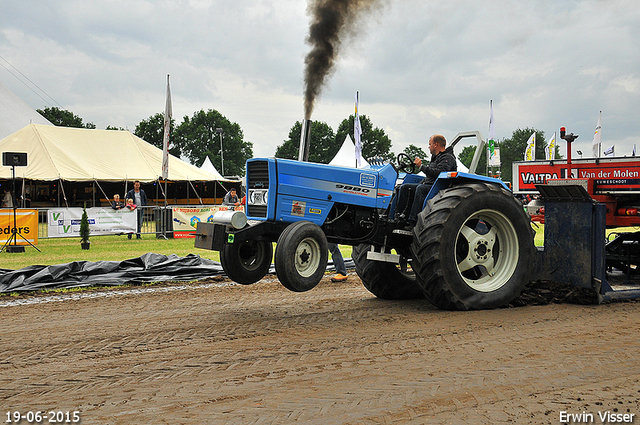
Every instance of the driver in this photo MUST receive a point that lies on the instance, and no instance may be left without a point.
(442, 159)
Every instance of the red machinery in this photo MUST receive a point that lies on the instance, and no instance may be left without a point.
(609, 191)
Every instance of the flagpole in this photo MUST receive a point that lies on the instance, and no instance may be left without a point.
(490, 135)
(165, 140)
(600, 125)
(357, 132)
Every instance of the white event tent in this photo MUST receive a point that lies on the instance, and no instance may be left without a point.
(346, 156)
(67, 154)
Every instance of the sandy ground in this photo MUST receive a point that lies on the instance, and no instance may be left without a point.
(213, 353)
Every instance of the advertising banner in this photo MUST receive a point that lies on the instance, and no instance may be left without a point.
(619, 175)
(26, 226)
(65, 222)
(185, 219)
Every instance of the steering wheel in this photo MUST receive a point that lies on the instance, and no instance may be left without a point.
(406, 164)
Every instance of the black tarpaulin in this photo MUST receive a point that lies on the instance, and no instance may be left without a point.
(148, 268)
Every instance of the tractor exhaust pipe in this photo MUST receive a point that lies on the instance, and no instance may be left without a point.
(305, 136)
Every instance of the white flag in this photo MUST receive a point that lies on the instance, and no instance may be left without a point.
(492, 137)
(551, 148)
(530, 152)
(597, 139)
(610, 151)
(165, 138)
(357, 132)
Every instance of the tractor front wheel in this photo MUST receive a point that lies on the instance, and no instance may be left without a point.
(301, 256)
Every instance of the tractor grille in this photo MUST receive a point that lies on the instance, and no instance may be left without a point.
(257, 178)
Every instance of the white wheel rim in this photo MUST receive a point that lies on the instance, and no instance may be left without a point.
(486, 250)
(307, 258)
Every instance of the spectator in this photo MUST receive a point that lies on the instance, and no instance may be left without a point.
(116, 204)
(7, 200)
(231, 199)
(139, 198)
(338, 262)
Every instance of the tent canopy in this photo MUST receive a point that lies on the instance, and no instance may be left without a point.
(78, 154)
(346, 156)
(15, 113)
(208, 166)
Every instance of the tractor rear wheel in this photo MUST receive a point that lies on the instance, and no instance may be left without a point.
(386, 280)
(246, 262)
(301, 256)
(473, 247)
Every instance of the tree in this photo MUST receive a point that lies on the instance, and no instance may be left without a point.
(466, 157)
(197, 139)
(414, 151)
(375, 142)
(151, 131)
(111, 127)
(513, 149)
(322, 148)
(64, 118)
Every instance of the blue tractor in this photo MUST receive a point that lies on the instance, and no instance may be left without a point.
(472, 247)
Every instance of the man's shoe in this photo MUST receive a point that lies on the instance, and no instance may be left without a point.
(129, 236)
(138, 237)
(339, 278)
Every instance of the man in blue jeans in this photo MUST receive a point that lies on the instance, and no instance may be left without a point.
(338, 261)
(140, 199)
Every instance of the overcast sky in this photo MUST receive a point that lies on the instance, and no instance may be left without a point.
(421, 67)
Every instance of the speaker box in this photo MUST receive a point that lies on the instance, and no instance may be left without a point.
(17, 159)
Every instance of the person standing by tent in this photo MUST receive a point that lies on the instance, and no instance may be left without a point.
(116, 204)
(231, 199)
(140, 199)
(7, 200)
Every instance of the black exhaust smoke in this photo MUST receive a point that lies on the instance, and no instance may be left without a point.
(330, 19)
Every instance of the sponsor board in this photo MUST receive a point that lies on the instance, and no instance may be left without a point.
(610, 176)
(65, 222)
(186, 219)
(26, 226)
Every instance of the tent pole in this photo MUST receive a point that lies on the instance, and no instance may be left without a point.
(64, 195)
(195, 191)
(102, 190)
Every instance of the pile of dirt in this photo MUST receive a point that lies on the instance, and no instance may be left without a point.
(547, 292)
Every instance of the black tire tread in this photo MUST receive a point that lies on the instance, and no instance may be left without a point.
(429, 232)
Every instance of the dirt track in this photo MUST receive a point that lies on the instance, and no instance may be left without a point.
(334, 355)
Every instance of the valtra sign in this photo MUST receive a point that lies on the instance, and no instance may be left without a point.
(611, 175)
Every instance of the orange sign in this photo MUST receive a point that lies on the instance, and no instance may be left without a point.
(26, 226)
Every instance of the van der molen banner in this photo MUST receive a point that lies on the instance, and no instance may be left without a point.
(65, 222)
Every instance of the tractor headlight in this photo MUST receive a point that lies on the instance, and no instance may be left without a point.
(258, 196)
